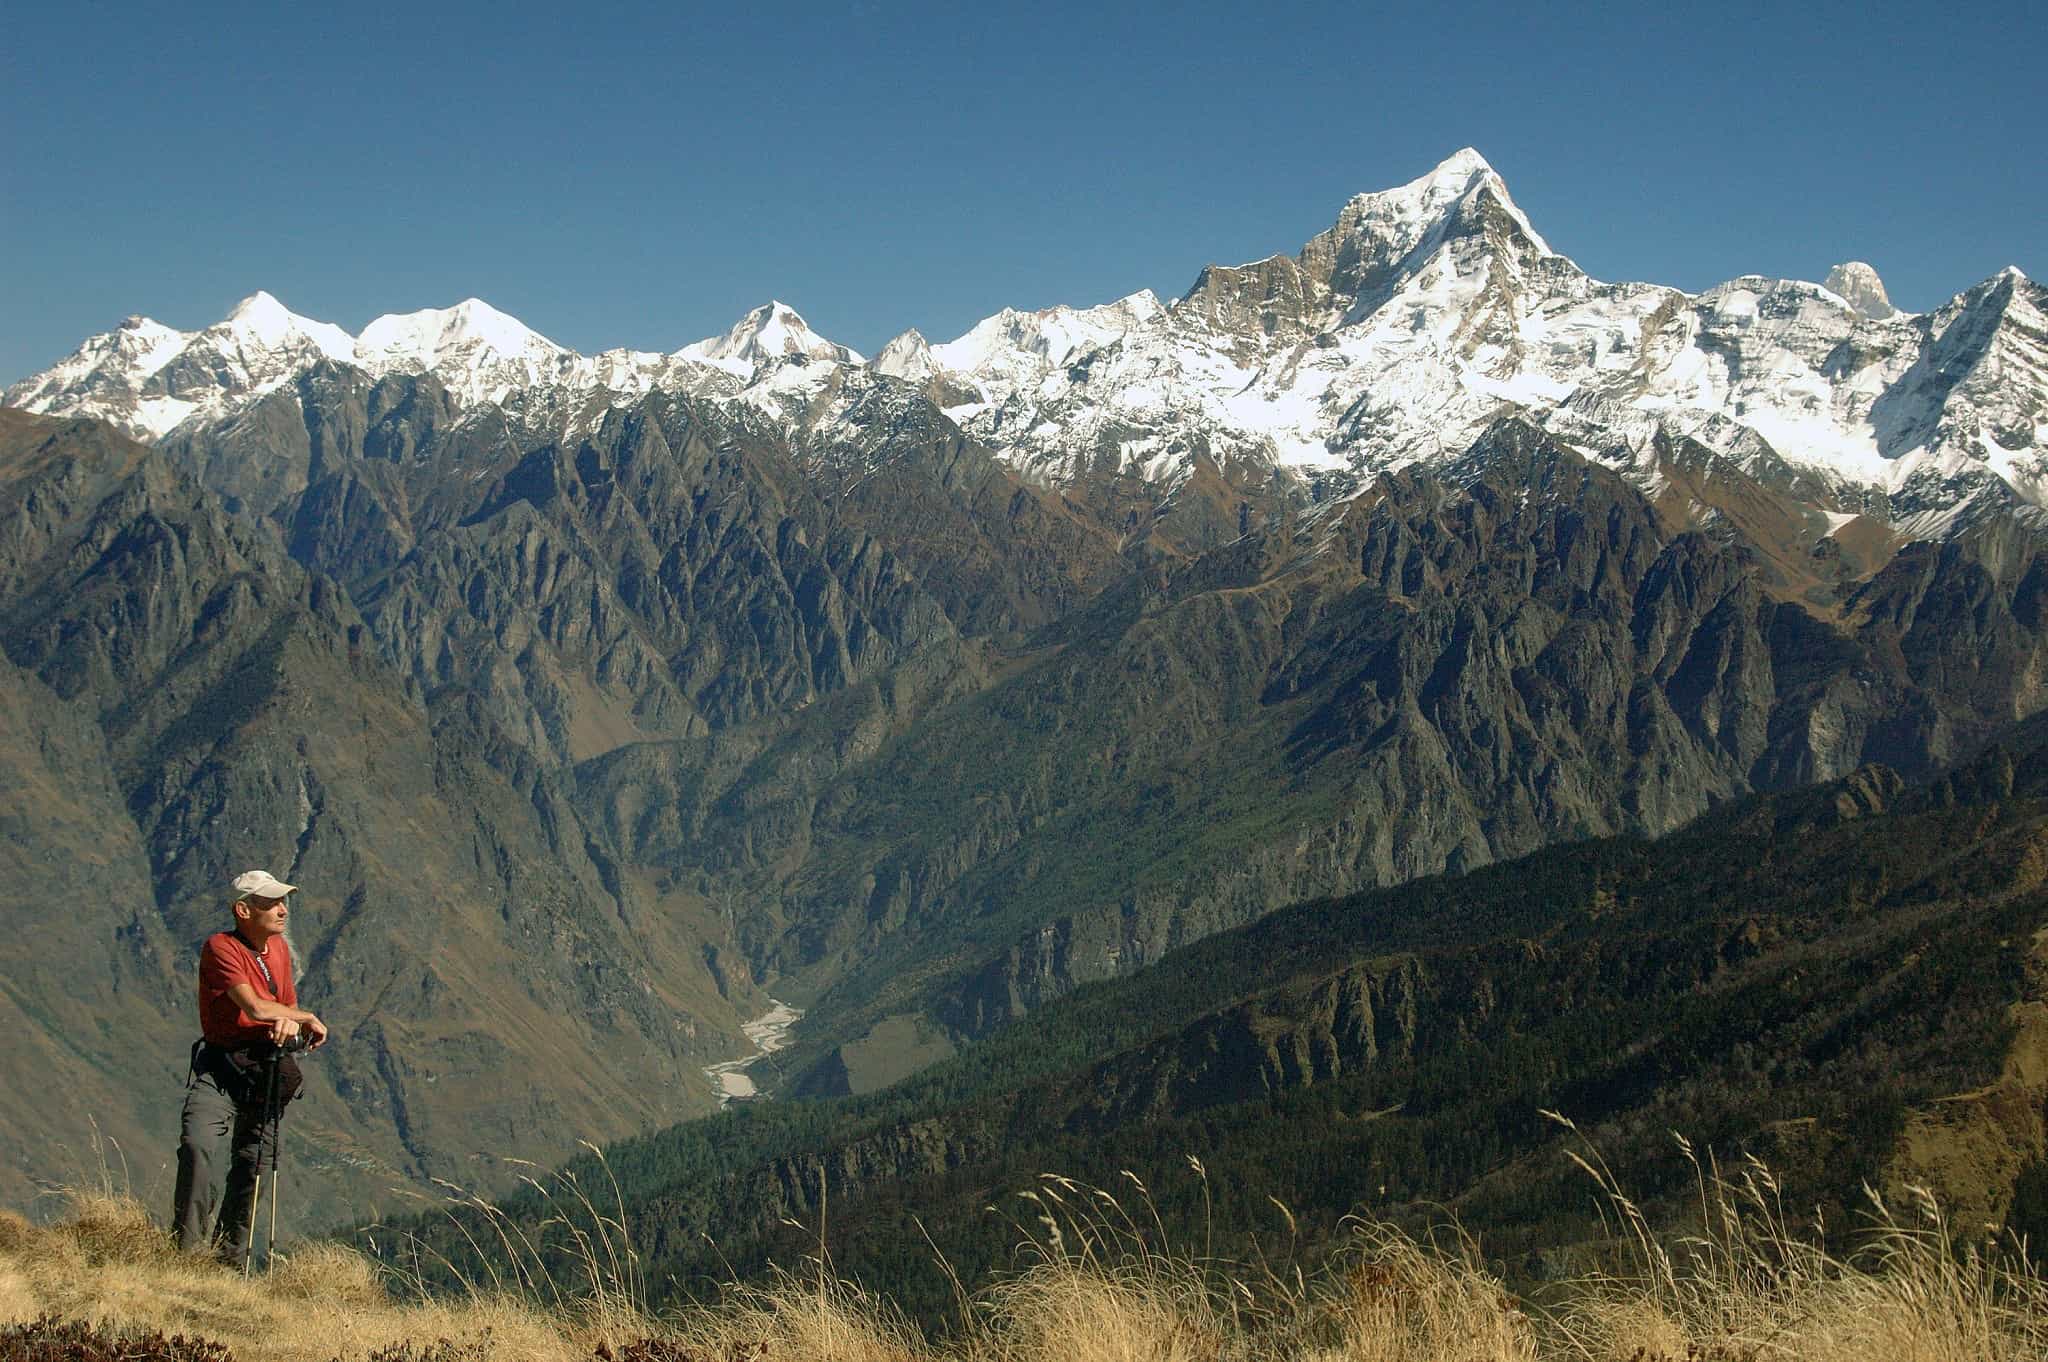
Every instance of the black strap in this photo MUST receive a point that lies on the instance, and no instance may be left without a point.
(261, 963)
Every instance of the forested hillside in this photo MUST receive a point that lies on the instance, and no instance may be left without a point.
(1845, 980)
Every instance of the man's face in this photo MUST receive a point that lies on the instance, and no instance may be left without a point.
(263, 915)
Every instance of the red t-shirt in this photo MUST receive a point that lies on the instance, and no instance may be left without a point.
(225, 961)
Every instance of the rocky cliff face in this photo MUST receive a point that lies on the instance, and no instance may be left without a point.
(1452, 669)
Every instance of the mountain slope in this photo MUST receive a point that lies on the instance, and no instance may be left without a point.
(501, 980)
(686, 707)
(75, 884)
(1445, 672)
(181, 702)
(1845, 979)
(922, 693)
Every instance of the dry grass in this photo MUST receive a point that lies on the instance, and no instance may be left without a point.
(1077, 1314)
(1102, 1284)
(1398, 1299)
(1098, 1282)
(788, 1318)
(1749, 1287)
(106, 1264)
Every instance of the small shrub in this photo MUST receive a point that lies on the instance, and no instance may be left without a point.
(651, 1350)
(49, 1339)
(440, 1350)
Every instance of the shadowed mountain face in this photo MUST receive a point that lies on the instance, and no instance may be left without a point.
(181, 701)
(1849, 981)
(583, 744)
(1442, 672)
(393, 722)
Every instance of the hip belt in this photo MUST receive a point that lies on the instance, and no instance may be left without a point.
(244, 1072)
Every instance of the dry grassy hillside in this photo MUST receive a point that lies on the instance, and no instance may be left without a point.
(1094, 1283)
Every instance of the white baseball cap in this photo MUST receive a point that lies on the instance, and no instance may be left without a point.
(261, 884)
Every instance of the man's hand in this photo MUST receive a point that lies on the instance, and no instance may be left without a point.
(283, 1029)
(318, 1029)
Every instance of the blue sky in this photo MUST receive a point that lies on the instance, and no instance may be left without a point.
(640, 175)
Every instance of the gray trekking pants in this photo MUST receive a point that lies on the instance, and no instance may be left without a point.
(216, 1137)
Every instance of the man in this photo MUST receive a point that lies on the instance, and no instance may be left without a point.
(248, 1005)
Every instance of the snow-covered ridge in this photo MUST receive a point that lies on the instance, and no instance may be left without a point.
(1430, 310)
(152, 379)
(1424, 313)
(1027, 342)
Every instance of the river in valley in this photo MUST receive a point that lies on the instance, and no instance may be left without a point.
(769, 1032)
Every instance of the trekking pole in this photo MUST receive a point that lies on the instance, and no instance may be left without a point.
(255, 1200)
(276, 1147)
(266, 1144)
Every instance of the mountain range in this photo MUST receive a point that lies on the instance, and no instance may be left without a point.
(1423, 314)
(594, 699)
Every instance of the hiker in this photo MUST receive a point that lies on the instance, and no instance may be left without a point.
(248, 1008)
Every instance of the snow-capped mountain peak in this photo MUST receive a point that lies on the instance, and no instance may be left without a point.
(480, 353)
(144, 344)
(1450, 180)
(908, 357)
(1858, 285)
(418, 341)
(260, 324)
(770, 333)
(1389, 224)
(103, 375)
(262, 315)
(1465, 161)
